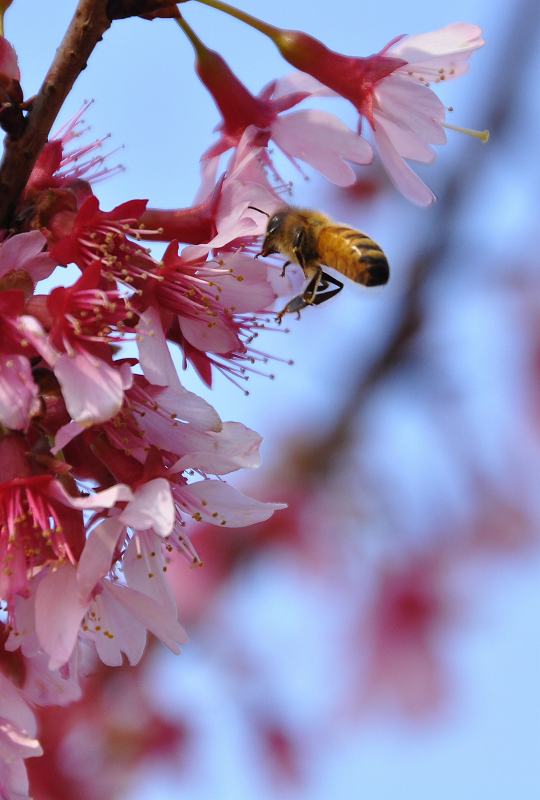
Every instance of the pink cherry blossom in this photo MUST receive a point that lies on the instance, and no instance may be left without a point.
(391, 91)
(39, 520)
(407, 116)
(26, 252)
(317, 138)
(93, 388)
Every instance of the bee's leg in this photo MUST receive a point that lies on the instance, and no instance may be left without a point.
(322, 295)
(306, 299)
(326, 279)
(294, 306)
(313, 287)
(285, 265)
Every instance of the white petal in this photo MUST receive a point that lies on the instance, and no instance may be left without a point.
(155, 358)
(59, 612)
(403, 177)
(221, 504)
(92, 389)
(447, 49)
(152, 507)
(234, 447)
(322, 140)
(300, 82)
(95, 560)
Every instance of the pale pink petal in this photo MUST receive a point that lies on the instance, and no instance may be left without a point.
(23, 623)
(144, 568)
(154, 356)
(92, 389)
(245, 185)
(59, 613)
(296, 82)
(126, 375)
(210, 335)
(46, 687)
(9, 65)
(220, 504)
(65, 435)
(403, 177)
(209, 170)
(152, 507)
(37, 336)
(105, 499)
(407, 143)
(14, 708)
(113, 628)
(19, 400)
(189, 407)
(25, 251)
(14, 779)
(234, 447)
(96, 558)
(323, 141)
(247, 288)
(160, 621)
(16, 744)
(412, 107)
(445, 49)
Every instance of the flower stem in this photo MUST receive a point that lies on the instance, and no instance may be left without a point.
(4, 5)
(192, 36)
(253, 22)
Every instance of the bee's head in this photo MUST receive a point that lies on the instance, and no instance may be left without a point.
(273, 231)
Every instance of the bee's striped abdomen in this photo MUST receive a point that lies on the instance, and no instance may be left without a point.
(353, 254)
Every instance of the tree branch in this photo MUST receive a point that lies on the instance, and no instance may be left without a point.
(85, 30)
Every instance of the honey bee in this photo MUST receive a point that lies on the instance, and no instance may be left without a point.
(312, 239)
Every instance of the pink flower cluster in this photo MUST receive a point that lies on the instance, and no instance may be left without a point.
(391, 90)
(105, 456)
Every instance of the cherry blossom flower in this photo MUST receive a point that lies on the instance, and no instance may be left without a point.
(24, 253)
(224, 211)
(75, 170)
(82, 322)
(39, 520)
(316, 137)
(391, 91)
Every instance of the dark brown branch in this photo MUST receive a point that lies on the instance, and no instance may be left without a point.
(120, 9)
(85, 31)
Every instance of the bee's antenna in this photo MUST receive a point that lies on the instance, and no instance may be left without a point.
(259, 210)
